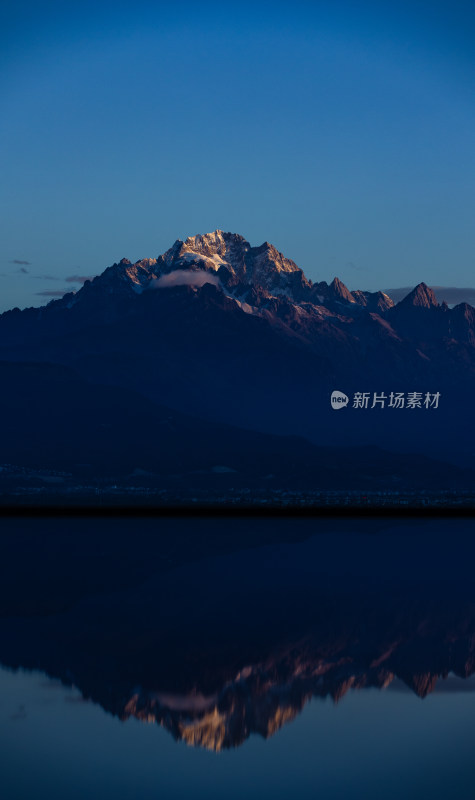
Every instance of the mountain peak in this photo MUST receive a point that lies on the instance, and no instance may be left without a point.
(215, 240)
(239, 265)
(340, 291)
(208, 251)
(375, 302)
(421, 296)
(238, 268)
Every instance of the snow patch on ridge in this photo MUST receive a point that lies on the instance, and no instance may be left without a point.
(213, 261)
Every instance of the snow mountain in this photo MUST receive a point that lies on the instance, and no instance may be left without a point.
(238, 335)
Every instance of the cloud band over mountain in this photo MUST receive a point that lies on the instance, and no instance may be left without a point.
(185, 277)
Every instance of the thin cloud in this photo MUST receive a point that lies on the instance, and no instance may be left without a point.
(185, 277)
(398, 294)
(57, 293)
(453, 295)
(23, 270)
(46, 277)
(79, 278)
(18, 261)
(20, 712)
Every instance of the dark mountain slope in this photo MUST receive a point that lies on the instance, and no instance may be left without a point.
(51, 419)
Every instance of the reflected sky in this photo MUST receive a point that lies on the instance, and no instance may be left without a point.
(269, 657)
(373, 744)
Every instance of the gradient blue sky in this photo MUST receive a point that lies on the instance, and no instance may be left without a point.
(341, 132)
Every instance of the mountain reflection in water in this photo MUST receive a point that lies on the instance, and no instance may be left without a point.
(218, 629)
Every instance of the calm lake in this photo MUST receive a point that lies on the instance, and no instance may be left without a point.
(237, 658)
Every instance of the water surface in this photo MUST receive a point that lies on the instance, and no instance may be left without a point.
(266, 658)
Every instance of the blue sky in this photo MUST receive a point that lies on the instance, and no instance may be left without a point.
(341, 132)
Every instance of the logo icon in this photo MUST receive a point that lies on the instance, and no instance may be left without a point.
(339, 400)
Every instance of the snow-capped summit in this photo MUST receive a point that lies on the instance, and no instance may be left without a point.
(238, 264)
(208, 251)
(234, 264)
